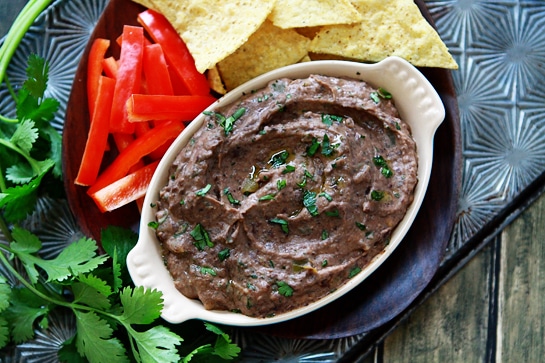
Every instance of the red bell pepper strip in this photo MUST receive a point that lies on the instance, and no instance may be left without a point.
(94, 70)
(125, 190)
(156, 71)
(110, 67)
(128, 77)
(97, 138)
(160, 107)
(134, 152)
(176, 52)
(122, 141)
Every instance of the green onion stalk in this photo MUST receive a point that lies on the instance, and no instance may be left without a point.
(11, 41)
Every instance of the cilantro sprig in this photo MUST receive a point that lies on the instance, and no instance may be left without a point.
(115, 321)
(30, 147)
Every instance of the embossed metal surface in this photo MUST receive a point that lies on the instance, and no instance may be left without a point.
(500, 47)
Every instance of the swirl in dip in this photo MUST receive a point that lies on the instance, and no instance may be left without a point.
(284, 195)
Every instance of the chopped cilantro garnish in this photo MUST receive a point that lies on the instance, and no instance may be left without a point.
(327, 149)
(284, 289)
(278, 159)
(281, 184)
(230, 197)
(361, 226)
(384, 168)
(267, 197)
(202, 192)
(201, 237)
(326, 196)
(227, 122)
(313, 147)
(332, 213)
(309, 201)
(325, 234)
(356, 270)
(384, 94)
(288, 169)
(282, 222)
(377, 195)
(329, 119)
(207, 271)
(224, 254)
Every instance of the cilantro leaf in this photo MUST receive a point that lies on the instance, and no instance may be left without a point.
(24, 309)
(96, 283)
(19, 201)
(121, 241)
(5, 292)
(4, 332)
(25, 135)
(140, 306)
(117, 282)
(157, 344)
(94, 339)
(54, 153)
(37, 76)
(223, 347)
(88, 295)
(78, 258)
(284, 288)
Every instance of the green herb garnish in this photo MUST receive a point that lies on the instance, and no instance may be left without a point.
(284, 289)
(207, 271)
(377, 195)
(354, 271)
(329, 119)
(201, 237)
(278, 159)
(313, 147)
(309, 201)
(202, 192)
(224, 254)
(288, 169)
(230, 197)
(327, 149)
(280, 184)
(282, 222)
(267, 197)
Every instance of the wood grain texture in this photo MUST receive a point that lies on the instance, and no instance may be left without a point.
(452, 326)
(521, 328)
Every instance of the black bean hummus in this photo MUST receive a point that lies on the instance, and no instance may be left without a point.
(284, 195)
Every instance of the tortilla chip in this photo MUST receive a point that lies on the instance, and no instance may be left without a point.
(304, 13)
(147, 3)
(388, 28)
(214, 81)
(267, 49)
(214, 29)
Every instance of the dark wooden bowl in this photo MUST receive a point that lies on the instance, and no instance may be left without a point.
(382, 296)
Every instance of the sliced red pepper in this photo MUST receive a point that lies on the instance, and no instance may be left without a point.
(125, 190)
(128, 77)
(134, 152)
(97, 138)
(156, 71)
(110, 67)
(160, 107)
(176, 52)
(94, 70)
(122, 141)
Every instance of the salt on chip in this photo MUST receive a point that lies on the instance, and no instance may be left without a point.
(305, 13)
(214, 29)
(268, 48)
(388, 28)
